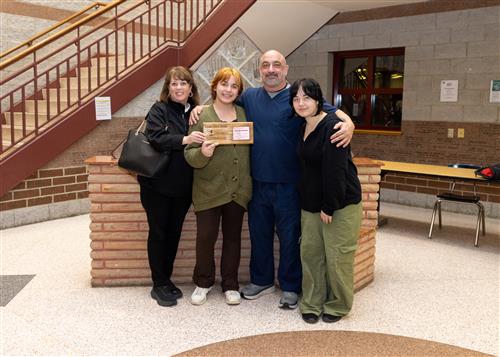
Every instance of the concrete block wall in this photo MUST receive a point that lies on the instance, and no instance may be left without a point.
(463, 45)
(119, 230)
(440, 44)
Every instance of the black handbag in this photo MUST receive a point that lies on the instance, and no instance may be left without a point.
(139, 157)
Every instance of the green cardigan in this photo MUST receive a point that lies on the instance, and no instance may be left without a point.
(225, 176)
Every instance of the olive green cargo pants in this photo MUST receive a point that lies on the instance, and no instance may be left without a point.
(327, 254)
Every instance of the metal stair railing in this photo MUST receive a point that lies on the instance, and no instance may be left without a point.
(51, 78)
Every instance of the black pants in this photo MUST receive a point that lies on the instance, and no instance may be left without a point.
(207, 228)
(165, 218)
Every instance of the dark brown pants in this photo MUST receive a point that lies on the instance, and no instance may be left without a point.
(207, 230)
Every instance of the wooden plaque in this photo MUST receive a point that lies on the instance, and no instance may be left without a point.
(229, 133)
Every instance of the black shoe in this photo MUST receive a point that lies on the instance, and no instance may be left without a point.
(310, 318)
(164, 296)
(174, 290)
(331, 318)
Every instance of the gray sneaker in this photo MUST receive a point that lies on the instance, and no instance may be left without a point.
(253, 291)
(288, 300)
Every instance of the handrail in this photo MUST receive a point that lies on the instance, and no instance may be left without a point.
(61, 33)
(28, 42)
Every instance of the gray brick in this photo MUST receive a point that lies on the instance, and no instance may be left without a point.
(296, 59)
(417, 83)
(310, 46)
(455, 50)
(368, 28)
(469, 97)
(316, 59)
(484, 15)
(484, 48)
(322, 33)
(341, 30)
(378, 41)
(453, 19)
(447, 112)
(427, 97)
(417, 113)
(480, 81)
(331, 44)
(434, 37)
(404, 38)
(474, 65)
(411, 67)
(419, 52)
(420, 22)
(491, 32)
(352, 43)
(440, 66)
(395, 24)
(483, 114)
(409, 98)
(471, 33)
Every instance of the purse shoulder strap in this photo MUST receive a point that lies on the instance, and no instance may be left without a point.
(113, 152)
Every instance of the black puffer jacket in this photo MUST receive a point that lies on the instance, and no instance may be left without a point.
(177, 178)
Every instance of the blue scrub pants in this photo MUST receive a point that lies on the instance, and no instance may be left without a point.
(275, 205)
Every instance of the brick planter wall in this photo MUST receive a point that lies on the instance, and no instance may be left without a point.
(119, 229)
(47, 186)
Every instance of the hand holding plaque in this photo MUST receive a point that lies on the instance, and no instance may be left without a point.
(231, 133)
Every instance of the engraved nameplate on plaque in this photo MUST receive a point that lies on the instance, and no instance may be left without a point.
(232, 133)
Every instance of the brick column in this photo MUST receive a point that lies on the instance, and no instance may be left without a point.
(119, 229)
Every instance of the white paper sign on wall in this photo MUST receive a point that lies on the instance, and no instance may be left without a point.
(103, 108)
(449, 91)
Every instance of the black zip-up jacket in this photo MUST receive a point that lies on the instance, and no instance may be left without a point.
(166, 126)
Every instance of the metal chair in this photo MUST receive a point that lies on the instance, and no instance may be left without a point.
(451, 196)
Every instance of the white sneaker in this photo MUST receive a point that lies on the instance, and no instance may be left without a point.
(232, 297)
(199, 295)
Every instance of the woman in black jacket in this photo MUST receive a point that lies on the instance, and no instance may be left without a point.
(167, 196)
(330, 199)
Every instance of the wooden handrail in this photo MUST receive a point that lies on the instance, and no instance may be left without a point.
(52, 28)
(61, 33)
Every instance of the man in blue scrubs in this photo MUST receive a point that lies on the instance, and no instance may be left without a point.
(275, 205)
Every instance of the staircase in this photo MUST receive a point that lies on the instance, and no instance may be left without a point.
(120, 57)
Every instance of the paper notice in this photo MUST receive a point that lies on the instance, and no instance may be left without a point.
(103, 108)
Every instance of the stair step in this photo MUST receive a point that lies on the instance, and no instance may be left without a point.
(111, 60)
(30, 119)
(42, 105)
(73, 83)
(63, 92)
(85, 72)
(18, 132)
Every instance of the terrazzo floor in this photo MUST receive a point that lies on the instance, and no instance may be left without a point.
(443, 290)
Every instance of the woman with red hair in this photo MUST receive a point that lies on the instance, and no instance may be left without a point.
(222, 188)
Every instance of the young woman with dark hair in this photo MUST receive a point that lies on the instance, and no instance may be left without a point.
(330, 198)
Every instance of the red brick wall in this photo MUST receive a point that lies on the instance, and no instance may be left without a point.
(426, 142)
(119, 230)
(488, 191)
(47, 186)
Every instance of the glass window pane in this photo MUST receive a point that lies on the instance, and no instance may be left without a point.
(389, 71)
(386, 110)
(353, 72)
(354, 105)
